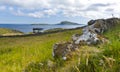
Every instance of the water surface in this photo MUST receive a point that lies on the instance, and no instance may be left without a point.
(26, 28)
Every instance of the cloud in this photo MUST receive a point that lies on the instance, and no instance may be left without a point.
(109, 10)
(69, 8)
(95, 7)
(35, 14)
(11, 8)
(2, 8)
(28, 4)
(100, 5)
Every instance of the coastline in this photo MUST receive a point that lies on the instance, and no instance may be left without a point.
(43, 33)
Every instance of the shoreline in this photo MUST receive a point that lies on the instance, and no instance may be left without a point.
(42, 33)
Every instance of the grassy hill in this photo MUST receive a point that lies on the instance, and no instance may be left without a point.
(34, 54)
(6, 31)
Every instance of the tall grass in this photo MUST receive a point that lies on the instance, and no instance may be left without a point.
(107, 60)
(19, 52)
(34, 54)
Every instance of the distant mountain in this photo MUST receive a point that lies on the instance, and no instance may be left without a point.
(67, 23)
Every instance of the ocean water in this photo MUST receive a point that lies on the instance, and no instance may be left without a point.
(26, 28)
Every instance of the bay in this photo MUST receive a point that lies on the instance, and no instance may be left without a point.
(26, 28)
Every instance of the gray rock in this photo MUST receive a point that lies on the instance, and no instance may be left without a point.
(88, 37)
(75, 37)
(91, 22)
(63, 49)
(95, 28)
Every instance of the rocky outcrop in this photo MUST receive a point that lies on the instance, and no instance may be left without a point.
(63, 49)
(92, 35)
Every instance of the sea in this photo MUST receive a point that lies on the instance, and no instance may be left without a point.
(27, 28)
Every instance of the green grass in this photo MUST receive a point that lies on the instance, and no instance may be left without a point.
(34, 54)
(6, 31)
(105, 59)
(55, 29)
(16, 53)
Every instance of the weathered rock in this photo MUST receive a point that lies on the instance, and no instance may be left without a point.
(101, 25)
(63, 49)
(91, 22)
(92, 35)
(51, 64)
(75, 37)
(88, 37)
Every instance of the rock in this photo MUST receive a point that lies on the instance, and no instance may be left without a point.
(91, 22)
(50, 64)
(75, 37)
(63, 49)
(88, 38)
(101, 25)
(92, 35)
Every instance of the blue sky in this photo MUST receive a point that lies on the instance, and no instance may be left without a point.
(54, 11)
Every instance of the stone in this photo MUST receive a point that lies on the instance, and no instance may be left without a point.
(50, 64)
(63, 49)
(91, 33)
(75, 37)
(91, 22)
(88, 38)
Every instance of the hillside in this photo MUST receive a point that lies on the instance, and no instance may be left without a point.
(6, 31)
(34, 53)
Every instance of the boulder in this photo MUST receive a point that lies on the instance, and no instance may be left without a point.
(63, 49)
(75, 37)
(88, 38)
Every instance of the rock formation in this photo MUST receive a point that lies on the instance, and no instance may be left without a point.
(92, 35)
(63, 49)
(92, 32)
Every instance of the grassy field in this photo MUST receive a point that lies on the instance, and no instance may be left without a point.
(34, 54)
(16, 53)
(6, 31)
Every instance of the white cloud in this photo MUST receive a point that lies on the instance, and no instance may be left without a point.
(69, 8)
(50, 11)
(19, 13)
(11, 9)
(30, 4)
(2, 8)
(35, 14)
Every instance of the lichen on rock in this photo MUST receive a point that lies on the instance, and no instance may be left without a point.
(63, 49)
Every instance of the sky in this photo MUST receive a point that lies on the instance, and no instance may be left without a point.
(54, 11)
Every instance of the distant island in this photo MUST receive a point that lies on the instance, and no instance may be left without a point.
(61, 23)
(39, 24)
(67, 23)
